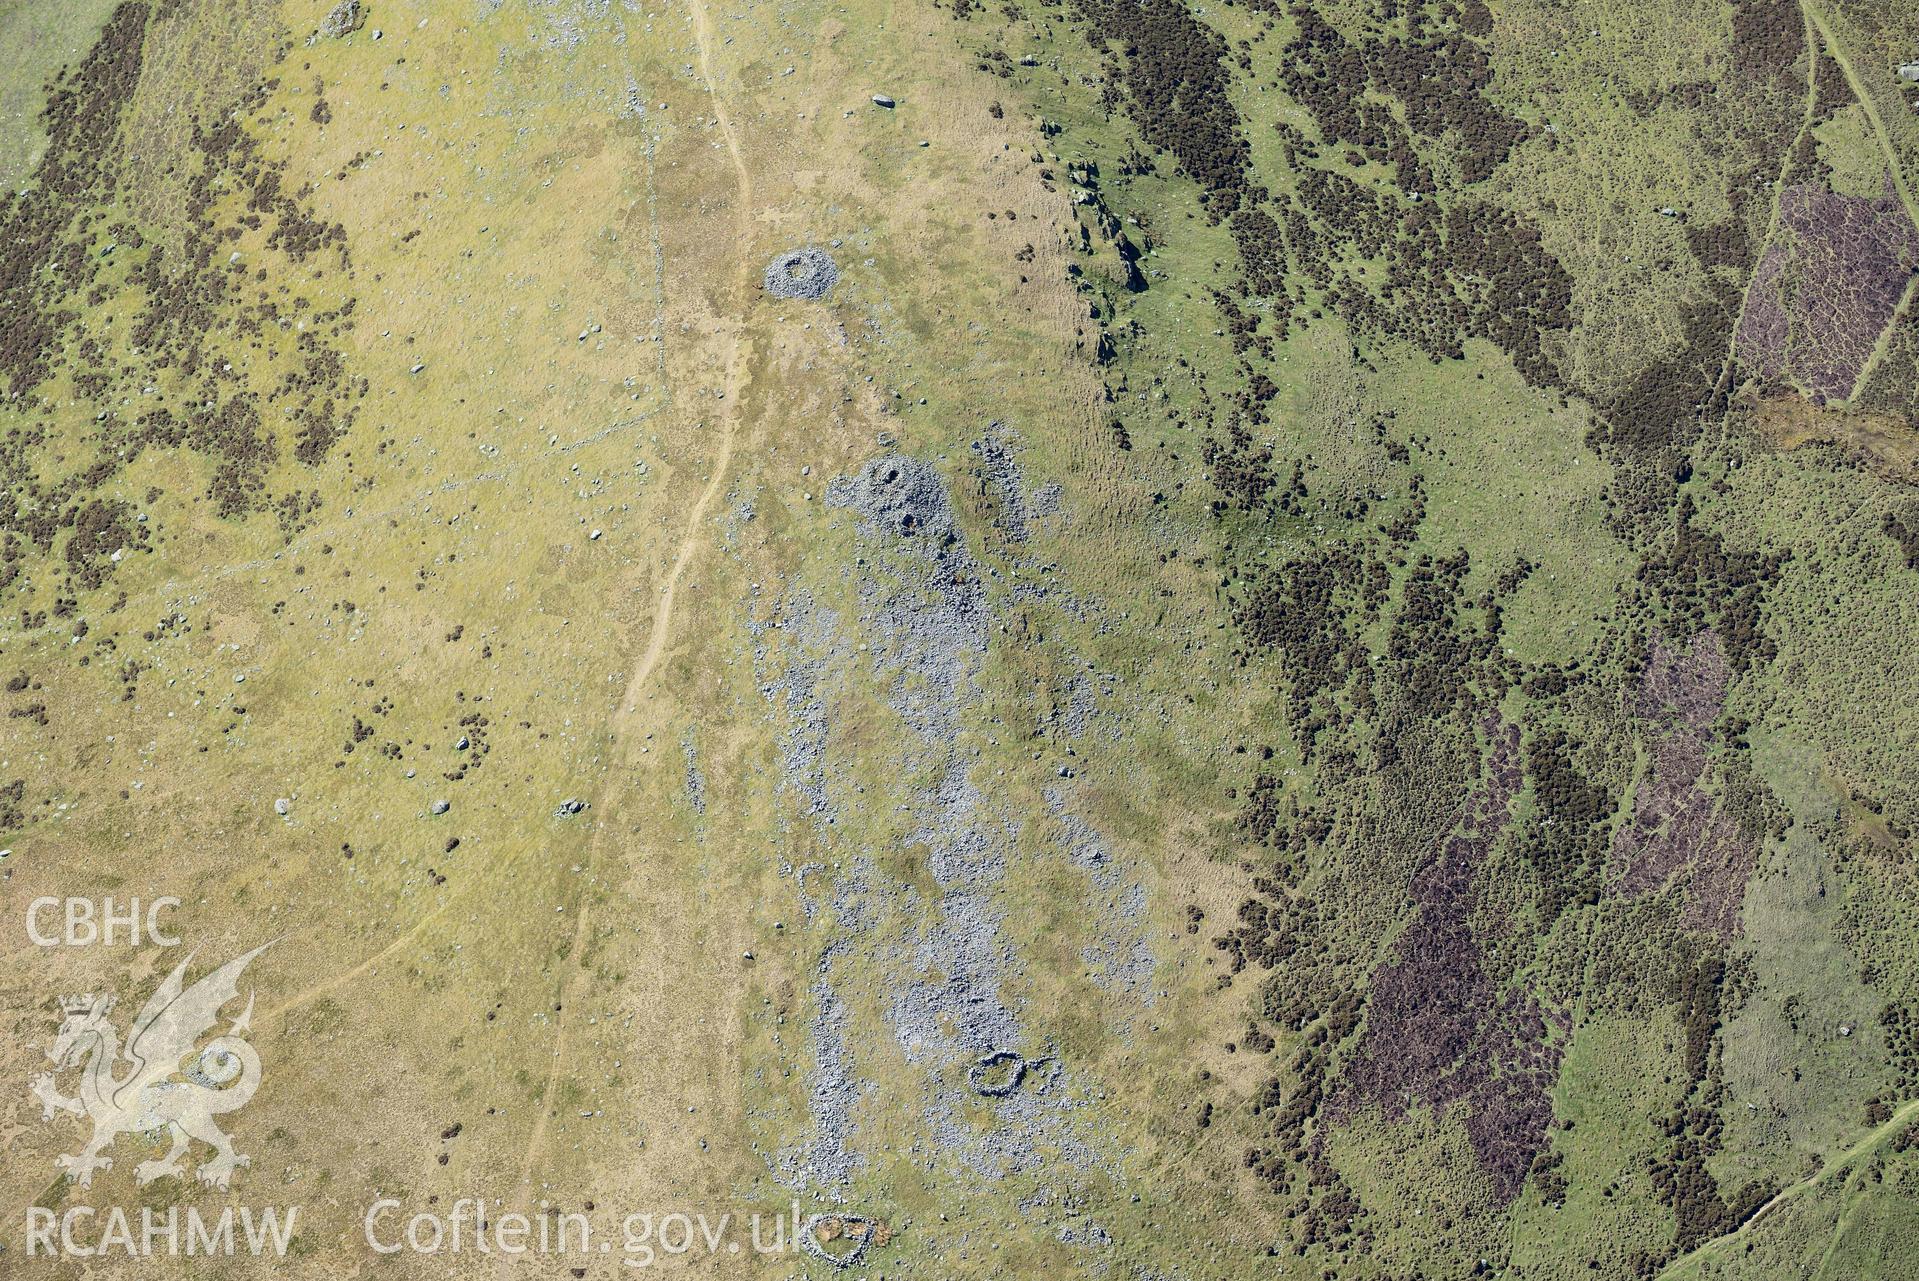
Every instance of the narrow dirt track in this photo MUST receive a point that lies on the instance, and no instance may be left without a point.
(1710, 1249)
(628, 717)
(738, 352)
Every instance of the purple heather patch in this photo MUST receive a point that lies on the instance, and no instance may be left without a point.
(1676, 826)
(1440, 1029)
(1827, 287)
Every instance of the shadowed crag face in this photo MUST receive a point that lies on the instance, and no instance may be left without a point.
(1125, 639)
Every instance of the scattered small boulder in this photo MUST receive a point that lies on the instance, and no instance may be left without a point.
(282, 806)
(440, 807)
(884, 100)
(569, 807)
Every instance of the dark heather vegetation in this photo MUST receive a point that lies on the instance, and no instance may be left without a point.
(1506, 448)
(1456, 857)
(184, 364)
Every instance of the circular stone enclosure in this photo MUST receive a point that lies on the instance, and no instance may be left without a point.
(807, 274)
(900, 495)
(997, 1074)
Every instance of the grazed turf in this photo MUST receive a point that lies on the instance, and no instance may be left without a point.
(1330, 580)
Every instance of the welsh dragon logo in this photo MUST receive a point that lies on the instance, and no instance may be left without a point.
(171, 1084)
